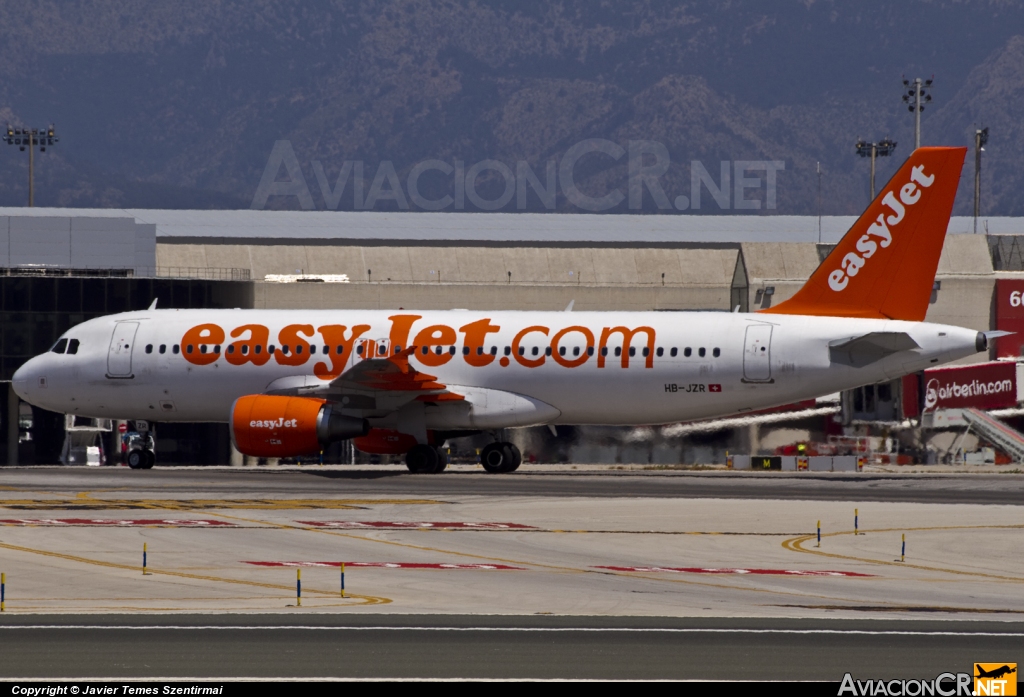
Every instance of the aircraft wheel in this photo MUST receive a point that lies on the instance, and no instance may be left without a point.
(150, 460)
(137, 459)
(495, 458)
(442, 461)
(515, 458)
(422, 459)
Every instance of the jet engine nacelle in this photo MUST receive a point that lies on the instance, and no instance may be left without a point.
(276, 426)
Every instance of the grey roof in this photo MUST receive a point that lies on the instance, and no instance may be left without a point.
(548, 228)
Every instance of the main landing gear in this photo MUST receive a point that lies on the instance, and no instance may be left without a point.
(426, 459)
(500, 458)
(141, 459)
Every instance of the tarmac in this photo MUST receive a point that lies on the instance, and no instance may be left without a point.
(599, 546)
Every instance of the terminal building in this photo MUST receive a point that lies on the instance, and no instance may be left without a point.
(59, 267)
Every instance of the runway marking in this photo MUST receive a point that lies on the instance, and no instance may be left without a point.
(367, 599)
(115, 522)
(796, 545)
(391, 565)
(517, 630)
(696, 570)
(395, 525)
(450, 526)
(718, 585)
(263, 504)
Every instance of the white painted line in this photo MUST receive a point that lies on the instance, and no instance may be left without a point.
(638, 630)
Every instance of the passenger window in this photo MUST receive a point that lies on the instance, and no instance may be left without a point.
(271, 349)
(258, 349)
(716, 353)
(479, 350)
(687, 351)
(163, 348)
(508, 350)
(176, 349)
(216, 349)
(465, 350)
(604, 350)
(451, 350)
(632, 351)
(701, 352)
(522, 350)
(494, 350)
(575, 350)
(231, 348)
(535, 350)
(674, 352)
(298, 349)
(149, 348)
(425, 351)
(202, 348)
(312, 348)
(341, 350)
(547, 351)
(245, 350)
(590, 350)
(618, 350)
(660, 352)
(646, 351)
(61, 346)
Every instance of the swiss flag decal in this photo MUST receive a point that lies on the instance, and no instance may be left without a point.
(714, 388)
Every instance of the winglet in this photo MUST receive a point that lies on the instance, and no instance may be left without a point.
(884, 267)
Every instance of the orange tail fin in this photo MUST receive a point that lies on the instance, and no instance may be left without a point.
(884, 267)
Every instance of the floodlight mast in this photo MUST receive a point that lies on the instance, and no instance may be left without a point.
(980, 140)
(915, 98)
(31, 138)
(882, 148)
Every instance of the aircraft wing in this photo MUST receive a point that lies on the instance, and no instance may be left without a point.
(373, 387)
(860, 351)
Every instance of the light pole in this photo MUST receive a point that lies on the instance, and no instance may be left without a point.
(882, 148)
(31, 138)
(980, 139)
(915, 99)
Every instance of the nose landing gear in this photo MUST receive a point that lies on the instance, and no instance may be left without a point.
(500, 458)
(141, 459)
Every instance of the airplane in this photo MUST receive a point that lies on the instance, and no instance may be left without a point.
(290, 382)
(994, 673)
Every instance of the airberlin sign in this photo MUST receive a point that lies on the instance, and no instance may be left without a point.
(983, 386)
(432, 346)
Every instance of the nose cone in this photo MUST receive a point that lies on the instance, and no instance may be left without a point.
(28, 379)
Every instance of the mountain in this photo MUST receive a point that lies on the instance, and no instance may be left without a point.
(179, 104)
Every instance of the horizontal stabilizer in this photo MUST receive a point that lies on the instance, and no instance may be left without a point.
(865, 350)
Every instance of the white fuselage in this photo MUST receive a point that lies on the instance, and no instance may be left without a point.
(701, 364)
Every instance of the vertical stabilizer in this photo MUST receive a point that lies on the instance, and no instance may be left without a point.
(884, 267)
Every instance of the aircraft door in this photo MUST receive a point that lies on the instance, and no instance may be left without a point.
(757, 353)
(119, 355)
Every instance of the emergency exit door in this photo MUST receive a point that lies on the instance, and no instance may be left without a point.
(757, 353)
(119, 355)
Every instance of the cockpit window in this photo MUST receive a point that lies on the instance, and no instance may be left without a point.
(73, 346)
(61, 346)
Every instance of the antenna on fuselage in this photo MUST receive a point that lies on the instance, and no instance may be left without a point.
(152, 305)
